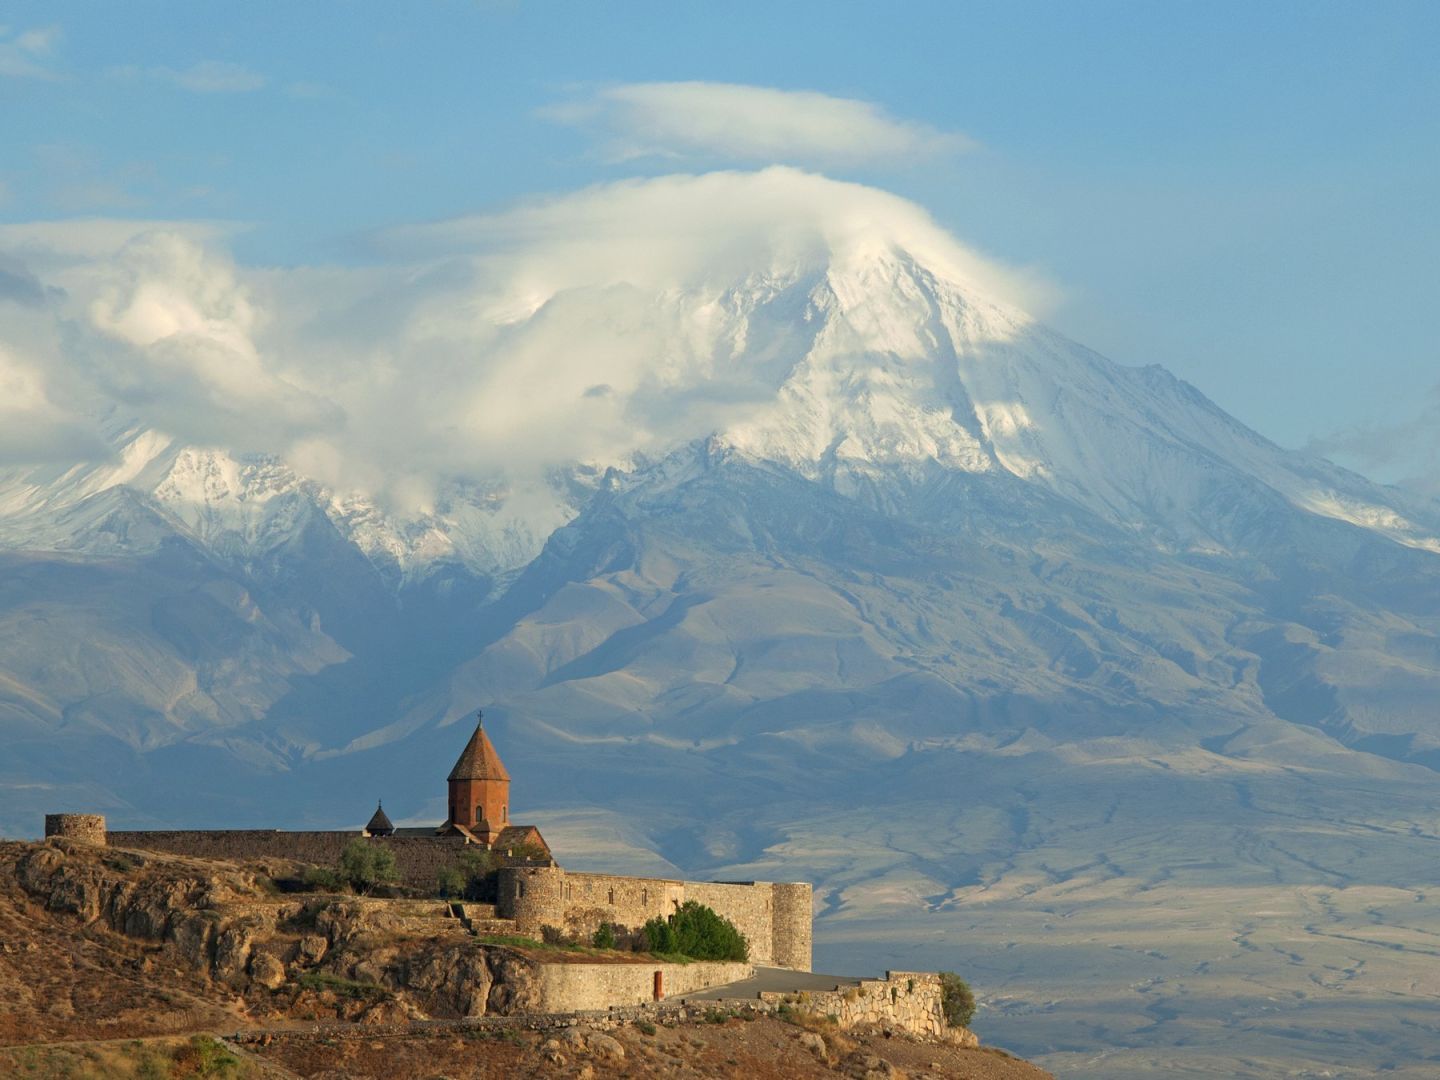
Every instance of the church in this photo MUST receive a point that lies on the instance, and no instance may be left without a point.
(478, 805)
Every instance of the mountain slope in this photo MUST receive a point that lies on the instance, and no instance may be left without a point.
(818, 562)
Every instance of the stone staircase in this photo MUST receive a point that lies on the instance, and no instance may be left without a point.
(481, 919)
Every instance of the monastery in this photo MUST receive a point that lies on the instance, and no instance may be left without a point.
(532, 890)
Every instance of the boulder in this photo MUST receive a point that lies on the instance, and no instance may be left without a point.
(606, 1046)
(312, 948)
(267, 971)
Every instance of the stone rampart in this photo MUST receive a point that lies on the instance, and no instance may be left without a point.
(908, 1000)
(418, 858)
(578, 987)
(793, 925)
(87, 828)
(775, 918)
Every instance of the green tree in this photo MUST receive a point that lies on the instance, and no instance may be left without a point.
(698, 932)
(365, 865)
(956, 1000)
(475, 867)
(657, 936)
(604, 937)
(449, 882)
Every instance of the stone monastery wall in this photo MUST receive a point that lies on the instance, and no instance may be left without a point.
(418, 858)
(774, 917)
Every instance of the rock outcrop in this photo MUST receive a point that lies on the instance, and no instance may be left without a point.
(310, 954)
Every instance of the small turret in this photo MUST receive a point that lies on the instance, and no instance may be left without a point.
(379, 823)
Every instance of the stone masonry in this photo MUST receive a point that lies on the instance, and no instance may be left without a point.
(774, 917)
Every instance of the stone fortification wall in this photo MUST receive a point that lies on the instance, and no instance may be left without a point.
(579, 987)
(87, 828)
(418, 858)
(751, 907)
(775, 918)
(909, 1000)
(794, 922)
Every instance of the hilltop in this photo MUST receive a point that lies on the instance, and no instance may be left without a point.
(112, 961)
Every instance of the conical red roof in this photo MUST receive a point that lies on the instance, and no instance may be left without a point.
(479, 761)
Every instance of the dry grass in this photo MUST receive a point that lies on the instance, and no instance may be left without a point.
(131, 1059)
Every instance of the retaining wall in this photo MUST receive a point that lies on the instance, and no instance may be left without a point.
(909, 1000)
(579, 987)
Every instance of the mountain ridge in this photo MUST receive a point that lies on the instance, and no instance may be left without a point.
(876, 582)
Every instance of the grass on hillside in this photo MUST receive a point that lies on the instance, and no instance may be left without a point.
(131, 1059)
(321, 981)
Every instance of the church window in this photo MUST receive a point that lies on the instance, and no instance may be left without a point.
(504, 813)
(612, 896)
(644, 897)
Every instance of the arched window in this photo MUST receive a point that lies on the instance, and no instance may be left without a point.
(504, 813)
(479, 813)
(612, 896)
(644, 897)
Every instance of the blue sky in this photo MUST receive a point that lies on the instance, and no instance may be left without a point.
(1245, 193)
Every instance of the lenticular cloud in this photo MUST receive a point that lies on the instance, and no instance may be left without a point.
(582, 327)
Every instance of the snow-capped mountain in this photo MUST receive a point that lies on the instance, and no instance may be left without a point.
(826, 561)
(873, 368)
(242, 509)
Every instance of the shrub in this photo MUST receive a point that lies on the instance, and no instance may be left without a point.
(365, 865)
(321, 981)
(471, 877)
(322, 879)
(553, 935)
(204, 1056)
(657, 935)
(449, 883)
(698, 932)
(956, 1000)
(604, 937)
(476, 873)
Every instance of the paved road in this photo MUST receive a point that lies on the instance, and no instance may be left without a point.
(779, 980)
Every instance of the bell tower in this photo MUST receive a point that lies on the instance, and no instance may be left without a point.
(479, 788)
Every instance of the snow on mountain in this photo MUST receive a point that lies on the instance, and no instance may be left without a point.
(242, 509)
(830, 328)
(798, 547)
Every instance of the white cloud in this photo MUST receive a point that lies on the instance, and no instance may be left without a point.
(580, 327)
(203, 77)
(33, 427)
(751, 124)
(1406, 449)
(25, 54)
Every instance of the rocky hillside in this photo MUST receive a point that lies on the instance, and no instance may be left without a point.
(228, 937)
(100, 947)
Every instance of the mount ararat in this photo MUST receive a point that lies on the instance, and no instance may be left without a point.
(793, 549)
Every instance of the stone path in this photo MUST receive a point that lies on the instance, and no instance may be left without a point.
(771, 979)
